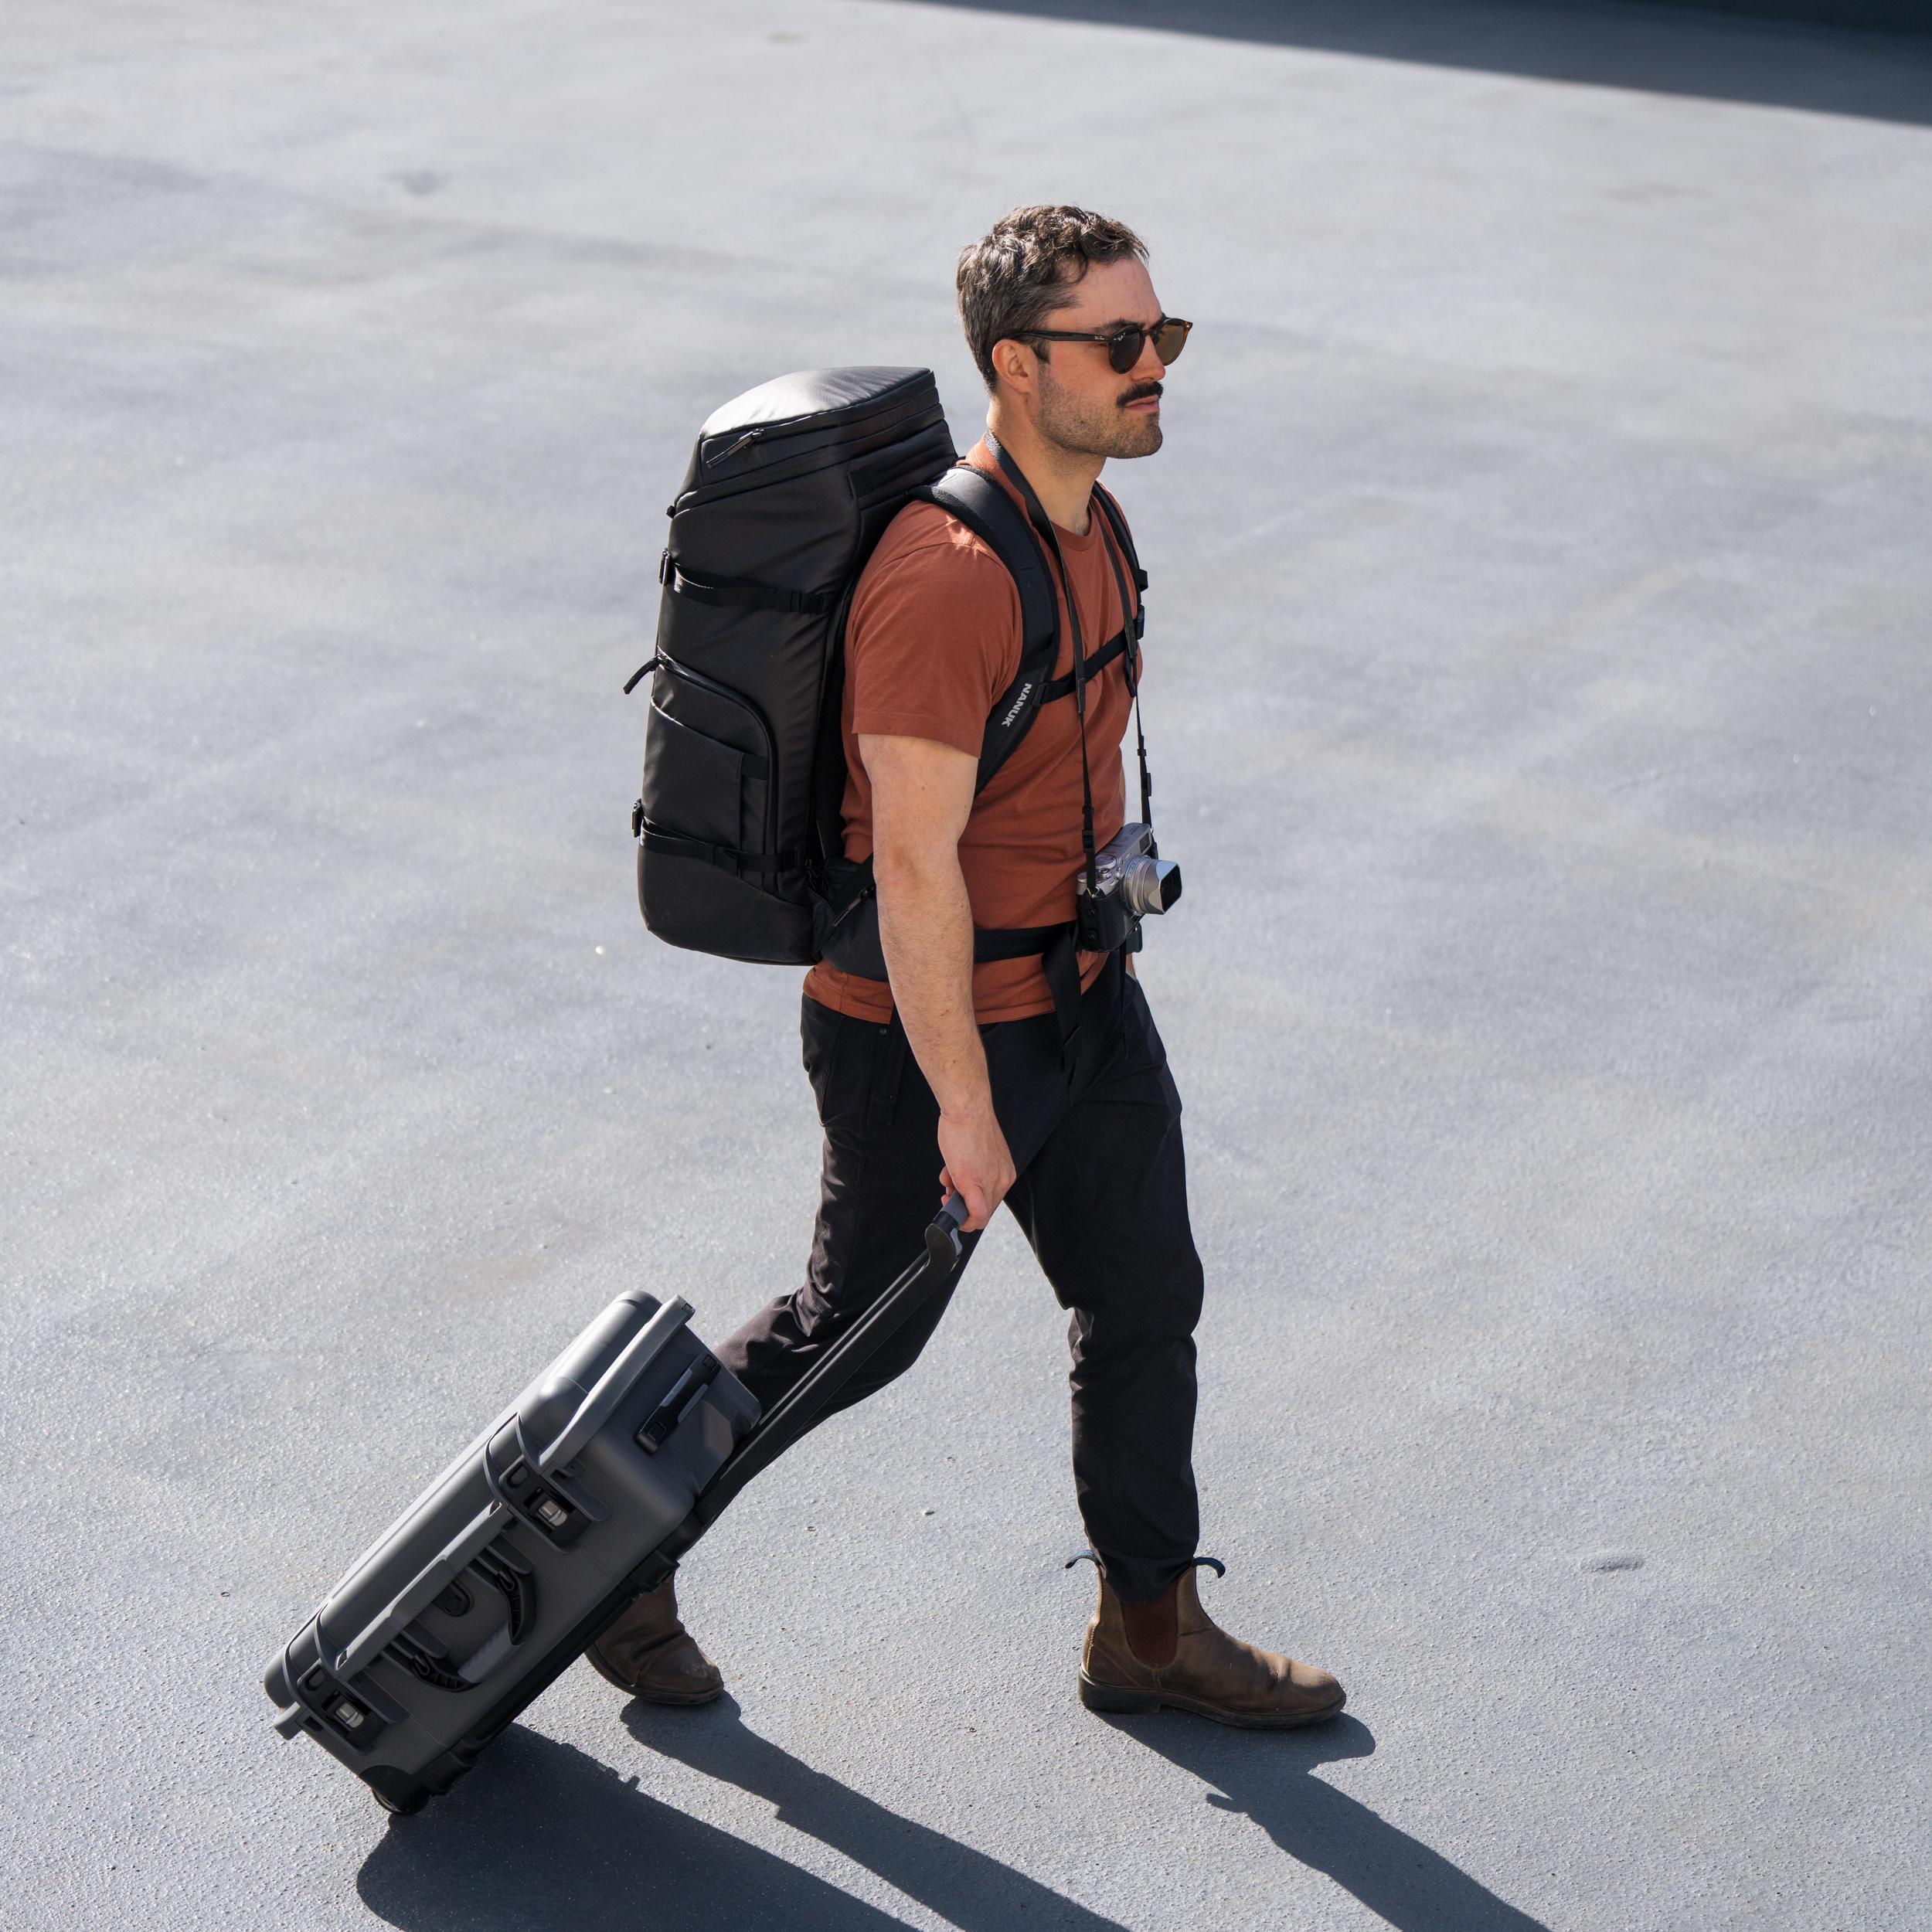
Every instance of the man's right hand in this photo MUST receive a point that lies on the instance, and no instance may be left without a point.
(979, 1165)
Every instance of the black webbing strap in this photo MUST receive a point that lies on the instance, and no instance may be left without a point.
(675, 845)
(853, 944)
(1101, 659)
(1062, 966)
(1129, 670)
(753, 596)
(1013, 942)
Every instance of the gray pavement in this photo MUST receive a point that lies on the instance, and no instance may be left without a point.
(1539, 695)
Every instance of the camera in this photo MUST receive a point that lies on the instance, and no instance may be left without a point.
(1135, 880)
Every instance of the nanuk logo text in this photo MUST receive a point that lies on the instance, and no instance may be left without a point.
(1017, 702)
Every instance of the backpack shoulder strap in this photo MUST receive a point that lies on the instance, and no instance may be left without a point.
(992, 516)
(1117, 522)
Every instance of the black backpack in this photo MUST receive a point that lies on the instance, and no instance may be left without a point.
(739, 825)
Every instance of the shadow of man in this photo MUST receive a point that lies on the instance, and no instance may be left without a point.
(544, 1838)
(966, 1887)
(1268, 1776)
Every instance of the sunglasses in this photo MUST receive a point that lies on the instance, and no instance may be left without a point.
(1168, 336)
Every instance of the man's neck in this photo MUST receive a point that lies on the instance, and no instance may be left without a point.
(1062, 479)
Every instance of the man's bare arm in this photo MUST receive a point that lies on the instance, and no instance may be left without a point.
(922, 794)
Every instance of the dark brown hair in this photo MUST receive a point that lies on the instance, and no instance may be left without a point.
(1018, 273)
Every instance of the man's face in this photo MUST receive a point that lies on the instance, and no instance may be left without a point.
(1083, 404)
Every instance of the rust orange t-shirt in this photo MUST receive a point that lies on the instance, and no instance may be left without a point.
(934, 640)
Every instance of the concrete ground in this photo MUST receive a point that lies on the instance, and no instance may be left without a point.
(1539, 697)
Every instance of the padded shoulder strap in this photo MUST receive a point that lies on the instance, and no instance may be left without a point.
(992, 516)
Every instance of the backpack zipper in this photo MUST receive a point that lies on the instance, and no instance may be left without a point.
(750, 436)
(871, 423)
(739, 701)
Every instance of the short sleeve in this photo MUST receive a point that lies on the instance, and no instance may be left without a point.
(934, 640)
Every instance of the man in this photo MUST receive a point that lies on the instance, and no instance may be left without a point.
(950, 1074)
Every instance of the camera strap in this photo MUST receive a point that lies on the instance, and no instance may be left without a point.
(1131, 628)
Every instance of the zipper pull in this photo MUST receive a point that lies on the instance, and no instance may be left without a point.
(750, 436)
(652, 664)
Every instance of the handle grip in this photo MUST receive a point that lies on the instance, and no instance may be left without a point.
(418, 1594)
(614, 1384)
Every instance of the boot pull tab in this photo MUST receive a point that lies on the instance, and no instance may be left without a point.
(1193, 1562)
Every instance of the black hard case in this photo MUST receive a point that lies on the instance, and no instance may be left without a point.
(582, 1495)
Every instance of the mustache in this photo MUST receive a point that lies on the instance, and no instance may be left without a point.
(1139, 393)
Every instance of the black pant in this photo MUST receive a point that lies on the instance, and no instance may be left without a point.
(1102, 1197)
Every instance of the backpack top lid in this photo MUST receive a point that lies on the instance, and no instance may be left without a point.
(836, 413)
(813, 393)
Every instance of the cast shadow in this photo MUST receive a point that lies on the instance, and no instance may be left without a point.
(964, 1886)
(1265, 1776)
(541, 1838)
(1706, 51)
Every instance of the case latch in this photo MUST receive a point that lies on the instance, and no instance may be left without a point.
(680, 1399)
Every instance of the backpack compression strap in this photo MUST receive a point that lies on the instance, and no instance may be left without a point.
(728, 590)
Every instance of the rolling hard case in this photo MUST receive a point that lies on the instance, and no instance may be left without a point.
(580, 1496)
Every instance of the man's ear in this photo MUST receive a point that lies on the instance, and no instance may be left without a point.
(1014, 363)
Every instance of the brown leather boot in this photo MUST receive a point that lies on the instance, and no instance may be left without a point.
(649, 1652)
(1193, 1664)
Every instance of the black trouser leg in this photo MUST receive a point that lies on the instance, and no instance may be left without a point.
(1104, 1203)
(1102, 1197)
(879, 1191)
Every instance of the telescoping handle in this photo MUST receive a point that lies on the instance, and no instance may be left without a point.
(802, 1405)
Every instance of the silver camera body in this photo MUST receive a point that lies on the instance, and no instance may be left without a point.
(1135, 880)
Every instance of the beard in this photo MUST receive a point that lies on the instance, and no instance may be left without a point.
(1092, 428)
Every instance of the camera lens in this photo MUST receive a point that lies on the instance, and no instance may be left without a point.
(1150, 885)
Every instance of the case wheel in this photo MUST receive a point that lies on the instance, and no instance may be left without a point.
(402, 1795)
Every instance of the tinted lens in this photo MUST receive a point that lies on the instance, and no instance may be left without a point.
(1169, 339)
(1123, 350)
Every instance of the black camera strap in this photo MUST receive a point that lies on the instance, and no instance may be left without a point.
(1131, 666)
